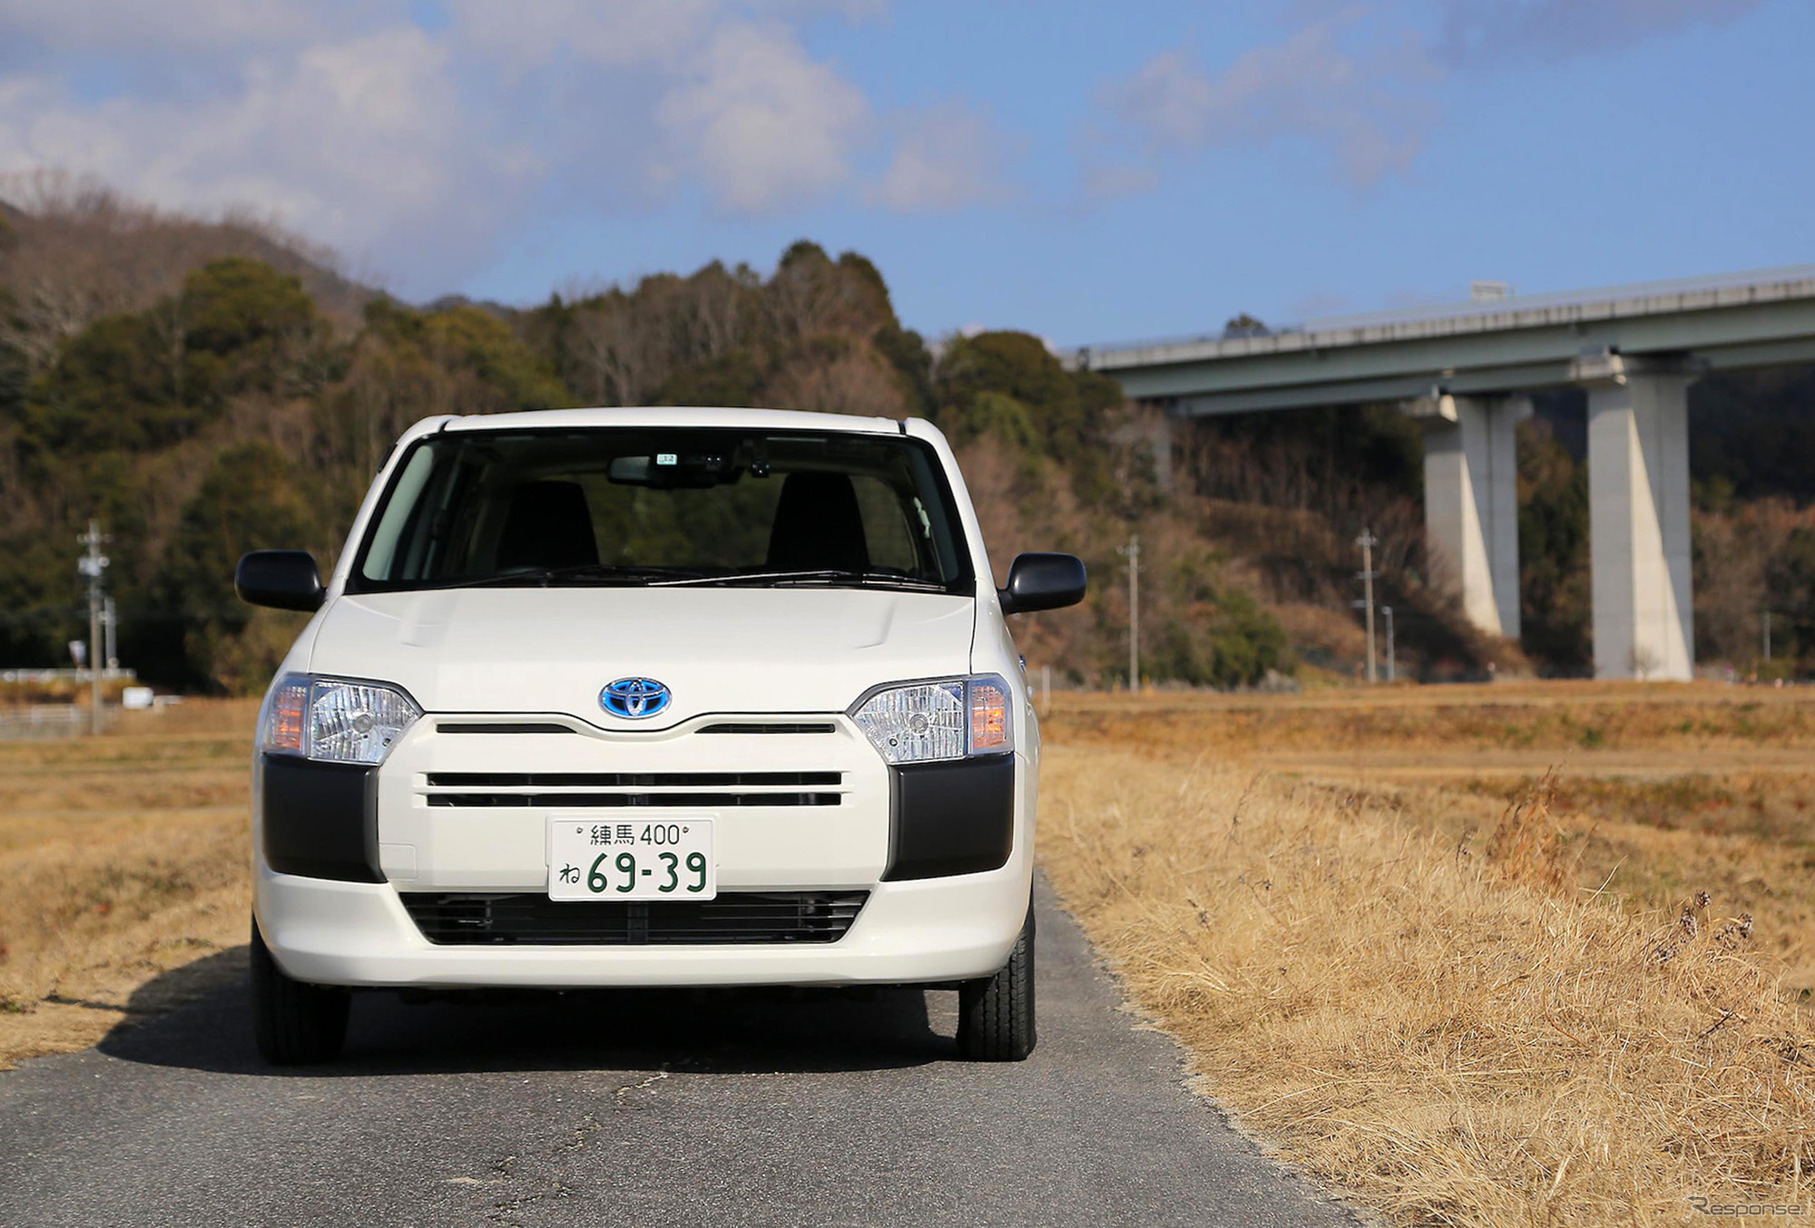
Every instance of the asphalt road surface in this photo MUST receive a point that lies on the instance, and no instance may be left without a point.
(640, 1108)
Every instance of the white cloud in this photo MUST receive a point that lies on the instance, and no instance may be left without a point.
(948, 158)
(1367, 107)
(759, 123)
(88, 25)
(361, 143)
(1357, 78)
(620, 32)
(417, 149)
(1479, 31)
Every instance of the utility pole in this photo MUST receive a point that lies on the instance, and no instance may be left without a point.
(1132, 551)
(1392, 664)
(1767, 635)
(91, 565)
(110, 634)
(1367, 542)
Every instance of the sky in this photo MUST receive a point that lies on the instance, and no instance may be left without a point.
(1085, 171)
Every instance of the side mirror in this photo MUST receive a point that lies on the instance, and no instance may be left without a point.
(1043, 582)
(281, 579)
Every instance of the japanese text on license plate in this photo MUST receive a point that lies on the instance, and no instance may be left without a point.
(644, 859)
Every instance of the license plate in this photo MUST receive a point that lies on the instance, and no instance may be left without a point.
(645, 859)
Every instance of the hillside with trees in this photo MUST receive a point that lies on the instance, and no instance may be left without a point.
(206, 388)
(203, 389)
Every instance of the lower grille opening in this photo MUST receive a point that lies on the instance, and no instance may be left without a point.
(734, 917)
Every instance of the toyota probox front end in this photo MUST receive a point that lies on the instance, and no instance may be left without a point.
(650, 698)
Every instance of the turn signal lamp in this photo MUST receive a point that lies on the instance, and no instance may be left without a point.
(932, 722)
(335, 720)
(989, 716)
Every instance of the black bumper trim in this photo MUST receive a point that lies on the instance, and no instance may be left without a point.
(321, 819)
(950, 818)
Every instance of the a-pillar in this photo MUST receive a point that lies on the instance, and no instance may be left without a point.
(1638, 500)
(1471, 503)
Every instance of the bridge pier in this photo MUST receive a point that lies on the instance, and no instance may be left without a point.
(1634, 348)
(1471, 502)
(1638, 499)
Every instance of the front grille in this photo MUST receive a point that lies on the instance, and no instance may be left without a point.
(486, 789)
(735, 917)
(606, 780)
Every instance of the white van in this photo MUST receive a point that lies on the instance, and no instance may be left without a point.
(650, 697)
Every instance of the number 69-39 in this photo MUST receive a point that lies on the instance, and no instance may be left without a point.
(625, 867)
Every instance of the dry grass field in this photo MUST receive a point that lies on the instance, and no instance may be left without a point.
(121, 858)
(1500, 955)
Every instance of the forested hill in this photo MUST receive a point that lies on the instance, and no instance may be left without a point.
(203, 389)
(206, 389)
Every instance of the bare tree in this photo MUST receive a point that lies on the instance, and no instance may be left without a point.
(81, 251)
(809, 295)
(613, 347)
(859, 382)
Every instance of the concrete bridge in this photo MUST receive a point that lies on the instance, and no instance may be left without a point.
(1467, 371)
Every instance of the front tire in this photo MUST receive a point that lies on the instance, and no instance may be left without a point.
(294, 1022)
(996, 1014)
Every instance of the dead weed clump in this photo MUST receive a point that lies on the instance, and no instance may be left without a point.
(1450, 1039)
(1529, 846)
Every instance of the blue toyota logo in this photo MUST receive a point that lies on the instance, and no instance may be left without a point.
(635, 698)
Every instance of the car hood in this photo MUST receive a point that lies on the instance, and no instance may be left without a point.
(719, 650)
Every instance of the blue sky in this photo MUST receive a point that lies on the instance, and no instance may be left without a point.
(1088, 172)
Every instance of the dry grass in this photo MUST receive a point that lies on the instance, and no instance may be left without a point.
(1465, 999)
(1562, 718)
(121, 858)
(1433, 1030)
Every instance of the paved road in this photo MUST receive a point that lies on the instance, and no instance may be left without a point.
(771, 1108)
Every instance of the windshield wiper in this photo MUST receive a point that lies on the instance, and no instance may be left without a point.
(604, 573)
(817, 575)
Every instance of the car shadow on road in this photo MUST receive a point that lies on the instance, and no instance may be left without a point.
(199, 1017)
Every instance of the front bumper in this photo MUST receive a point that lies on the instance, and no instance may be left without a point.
(358, 934)
(336, 846)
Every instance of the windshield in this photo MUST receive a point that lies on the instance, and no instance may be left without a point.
(657, 507)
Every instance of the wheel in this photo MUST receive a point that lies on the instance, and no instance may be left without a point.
(996, 1014)
(293, 1021)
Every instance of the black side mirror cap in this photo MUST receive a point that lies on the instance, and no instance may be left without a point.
(1043, 582)
(281, 579)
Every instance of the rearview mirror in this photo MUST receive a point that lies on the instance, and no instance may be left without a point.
(281, 579)
(1043, 582)
(672, 470)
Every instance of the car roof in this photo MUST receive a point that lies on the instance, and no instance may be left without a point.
(677, 415)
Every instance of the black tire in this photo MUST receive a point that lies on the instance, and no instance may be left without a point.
(293, 1021)
(996, 1014)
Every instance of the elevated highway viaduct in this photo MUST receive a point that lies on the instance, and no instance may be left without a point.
(1467, 373)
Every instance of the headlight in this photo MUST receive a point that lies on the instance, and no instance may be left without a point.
(928, 721)
(335, 721)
